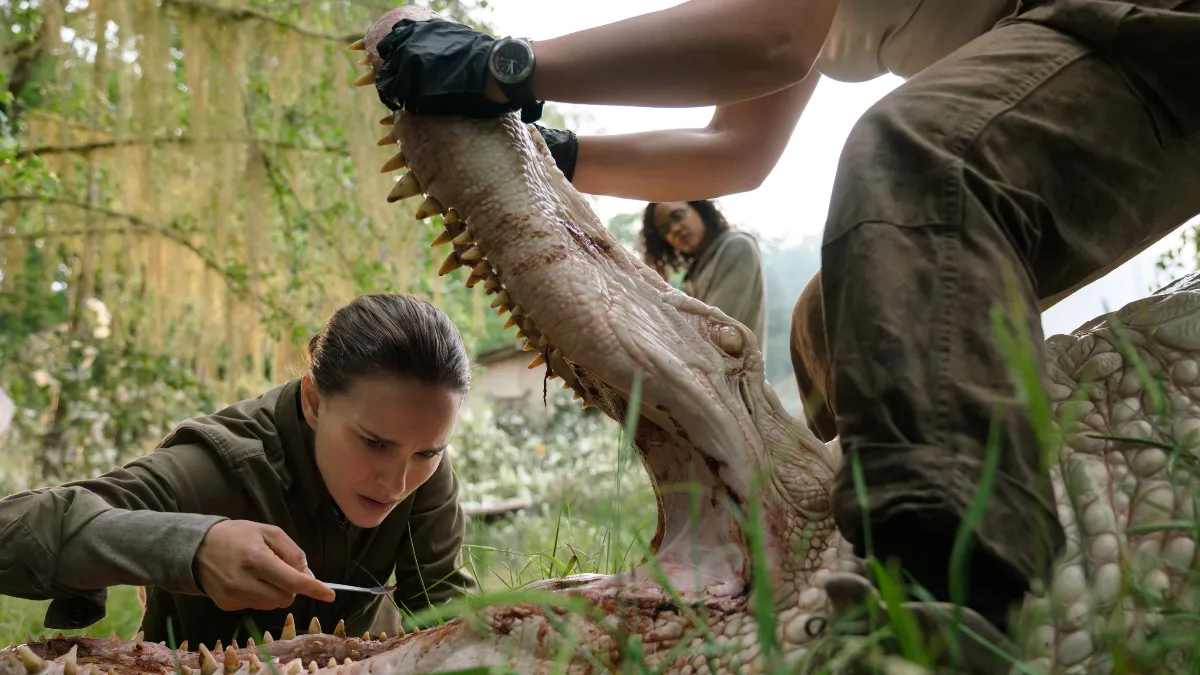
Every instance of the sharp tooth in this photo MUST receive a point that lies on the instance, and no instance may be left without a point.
(366, 636)
(332, 663)
(387, 121)
(208, 665)
(537, 361)
(552, 375)
(463, 239)
(473, 279)
(267, 637)
(69, 661)
(249, 642)
(340, 629)
(451, 216)
(429, 207)
(219, 647)
(289, 628)
(576, 396)
(294, 667)
(388, 139)
(492, 284)
(481, 269)
(443, 238)
(451, 263)
(364, 61)
(383, 636)
(139, 636)
(183, 646)
(365, 79)
(347, 661)
(235, 644)
(314, 626)
(518, 310)
(501, 299)
(526, 347)
(396, 162)
(358, 46)
(231, 662)
(512, 321)
(521, 334)
(585, 404)
(312, 666)
(566, 385)
(406, 187)
(255, 664)
(475, 253)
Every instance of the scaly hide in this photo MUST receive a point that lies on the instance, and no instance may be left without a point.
(710, 428)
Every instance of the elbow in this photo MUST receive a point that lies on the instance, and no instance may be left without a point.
(792, 47)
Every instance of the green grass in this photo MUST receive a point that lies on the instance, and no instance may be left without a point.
(607, 536)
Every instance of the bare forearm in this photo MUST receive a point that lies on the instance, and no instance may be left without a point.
(734, 153)
(698, 53)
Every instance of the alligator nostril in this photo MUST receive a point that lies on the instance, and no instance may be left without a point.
(729, 339)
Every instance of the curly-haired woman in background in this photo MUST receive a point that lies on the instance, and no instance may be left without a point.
(724, 267)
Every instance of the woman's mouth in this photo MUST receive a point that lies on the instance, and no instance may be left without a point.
(376, 506)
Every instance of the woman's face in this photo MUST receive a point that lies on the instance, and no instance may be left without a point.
(680, 225)
(378, 441)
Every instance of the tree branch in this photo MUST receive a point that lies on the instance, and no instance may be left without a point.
(129, 142)
(245, 14)
(239, 285)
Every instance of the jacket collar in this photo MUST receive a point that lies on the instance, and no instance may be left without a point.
(299, 448)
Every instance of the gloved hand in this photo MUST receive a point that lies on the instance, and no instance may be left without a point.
(564, 147)
(439, 67)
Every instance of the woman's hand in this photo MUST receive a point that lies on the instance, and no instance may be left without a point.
(242, 564)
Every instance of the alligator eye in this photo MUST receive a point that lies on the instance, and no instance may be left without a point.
(814, 626)
(729, 339)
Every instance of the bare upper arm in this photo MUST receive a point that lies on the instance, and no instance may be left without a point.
(754, 133)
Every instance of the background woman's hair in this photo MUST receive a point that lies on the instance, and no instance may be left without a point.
(660, 254)
(393, 334)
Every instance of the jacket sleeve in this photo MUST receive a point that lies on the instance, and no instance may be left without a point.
(138, 524)
(429, 565)
(737, 287)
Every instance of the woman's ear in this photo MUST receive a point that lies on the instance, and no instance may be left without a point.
(310, 399)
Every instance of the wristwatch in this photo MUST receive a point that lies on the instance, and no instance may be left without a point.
(511, 63)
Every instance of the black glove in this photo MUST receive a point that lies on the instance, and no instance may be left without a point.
(564, 147)
(439, 67)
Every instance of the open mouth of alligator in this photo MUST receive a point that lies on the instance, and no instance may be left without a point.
(598, 320)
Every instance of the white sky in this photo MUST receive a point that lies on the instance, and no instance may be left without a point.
(793, 201)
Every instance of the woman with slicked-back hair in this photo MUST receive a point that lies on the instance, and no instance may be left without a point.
(240, 518)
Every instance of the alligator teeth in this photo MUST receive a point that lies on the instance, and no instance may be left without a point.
(294, 667)
(33, 663)
(491, 285)
(365, 79)
(366, 636)
(231, 661)
(219, 647)
(340, 629)
(585, 404)
(267, 637)
(463, 239)
(443, 238)
(388, 139)
(537, 361)
(475, 253)
(208, 665)
(518, 310)
(139, 636)
(249, 643)
(289, 628)
(387, 121)
(512, 321)
(183, 668)
(347, 661)
(451, 263)
(114, 639)
(481, 269)
(406, 187)
(576, 397)
(473, 279)
(364, 61)
(332, 662)
(501, 299)
(235, 644)
(396, 162)
(526, 347)
(429, 207)
(358, 46)
(383, 636)
(451, 216)
(314, 626)
(312, 666)
(183, 646)
(566, 385)
(255, 664)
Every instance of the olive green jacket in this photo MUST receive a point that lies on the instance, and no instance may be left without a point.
(728, 275)
(141, 524)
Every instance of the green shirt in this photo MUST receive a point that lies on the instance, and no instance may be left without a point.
(728, 275)
(141, 524)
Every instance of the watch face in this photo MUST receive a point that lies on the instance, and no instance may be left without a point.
(511, 61)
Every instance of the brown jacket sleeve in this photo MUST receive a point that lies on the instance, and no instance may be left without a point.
(139, 524)
(429, 563)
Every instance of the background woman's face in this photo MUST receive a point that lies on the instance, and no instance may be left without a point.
(680, 225)
(378, 442)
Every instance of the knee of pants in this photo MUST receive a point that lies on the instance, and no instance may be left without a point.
(898, 166)
(810, 360)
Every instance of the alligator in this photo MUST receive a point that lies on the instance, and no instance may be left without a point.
(743, 563)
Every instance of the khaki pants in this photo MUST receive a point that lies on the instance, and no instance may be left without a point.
(1033, 160)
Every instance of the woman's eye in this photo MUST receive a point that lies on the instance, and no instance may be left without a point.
(430, 454)
(372, 443)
